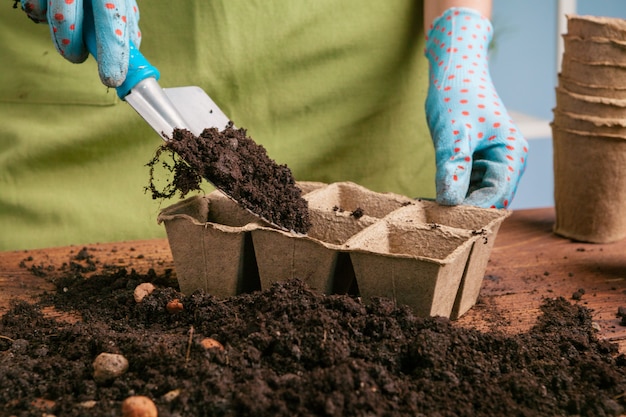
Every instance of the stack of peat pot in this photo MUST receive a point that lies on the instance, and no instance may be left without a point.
(589, 131)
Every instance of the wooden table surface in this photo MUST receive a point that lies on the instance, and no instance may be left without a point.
(528, 264)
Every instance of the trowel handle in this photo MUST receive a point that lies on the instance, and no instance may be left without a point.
(138, 66)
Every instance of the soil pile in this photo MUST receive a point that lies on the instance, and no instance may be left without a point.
(291, 351)
(239, 167)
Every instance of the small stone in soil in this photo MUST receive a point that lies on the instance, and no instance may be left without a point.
(174, 306)
(108, 366)
(578, 294)
(142, 290)
(139, 406)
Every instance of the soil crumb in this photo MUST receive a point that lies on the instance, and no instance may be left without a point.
(291, 351)
(239, 167)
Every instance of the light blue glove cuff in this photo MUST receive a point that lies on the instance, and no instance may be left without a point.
(480, 153)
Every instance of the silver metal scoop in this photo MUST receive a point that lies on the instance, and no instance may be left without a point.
(163, 108)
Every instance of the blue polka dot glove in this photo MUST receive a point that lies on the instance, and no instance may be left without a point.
(115, 21)
(480, 154)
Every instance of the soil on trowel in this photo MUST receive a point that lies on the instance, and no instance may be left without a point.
(240, 168)
(289, 351)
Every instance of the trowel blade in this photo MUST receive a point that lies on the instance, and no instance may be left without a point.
(197, 108)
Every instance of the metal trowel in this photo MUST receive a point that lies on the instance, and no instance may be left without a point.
(165, 109)
(162, 108)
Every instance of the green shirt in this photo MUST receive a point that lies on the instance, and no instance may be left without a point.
(335, 90)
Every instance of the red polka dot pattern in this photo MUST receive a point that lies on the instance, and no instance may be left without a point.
(115, 21)
(480, 153)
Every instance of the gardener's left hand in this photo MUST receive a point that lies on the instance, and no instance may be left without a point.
(480, 153)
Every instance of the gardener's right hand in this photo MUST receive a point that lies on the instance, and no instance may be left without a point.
(115, 21)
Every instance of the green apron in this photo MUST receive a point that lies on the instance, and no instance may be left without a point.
(335, 90)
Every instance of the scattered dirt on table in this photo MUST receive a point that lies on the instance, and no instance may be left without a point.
(239, 167)
(290, 351)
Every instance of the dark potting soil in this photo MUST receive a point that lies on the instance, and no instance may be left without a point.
(291, 351)
(239, 167)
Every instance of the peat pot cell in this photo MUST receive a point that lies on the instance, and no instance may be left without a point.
(481, 223)
(223, 210)
(463, 217)
(432, 214)
(348, 198)
(417, 266)
(312, 258)
(343, 209)
(209, 237)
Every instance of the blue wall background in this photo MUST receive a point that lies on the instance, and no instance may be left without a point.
(523, 66)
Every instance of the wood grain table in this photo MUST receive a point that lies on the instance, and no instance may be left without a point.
(528, 264)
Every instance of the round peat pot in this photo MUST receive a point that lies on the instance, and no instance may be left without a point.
(589, 186)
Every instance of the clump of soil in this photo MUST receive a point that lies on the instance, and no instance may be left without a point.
(290, 351)
(357, 213)
(239, 167)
